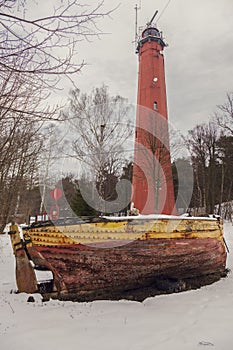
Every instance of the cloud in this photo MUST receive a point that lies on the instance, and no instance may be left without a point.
(198, 60)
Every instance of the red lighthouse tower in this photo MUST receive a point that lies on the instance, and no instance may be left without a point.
(153, 191)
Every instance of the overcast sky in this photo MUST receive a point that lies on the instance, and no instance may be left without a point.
(198, 60)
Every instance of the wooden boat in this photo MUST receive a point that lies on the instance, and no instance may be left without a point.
(120, 257)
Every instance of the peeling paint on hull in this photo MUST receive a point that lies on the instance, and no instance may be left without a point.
(91, 272)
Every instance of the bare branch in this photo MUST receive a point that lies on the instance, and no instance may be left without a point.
(224, 115)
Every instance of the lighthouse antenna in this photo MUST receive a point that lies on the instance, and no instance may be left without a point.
(137, 8)
(155, 14)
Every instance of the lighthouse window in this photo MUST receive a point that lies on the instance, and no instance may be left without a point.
(150, 31)
(155, 106)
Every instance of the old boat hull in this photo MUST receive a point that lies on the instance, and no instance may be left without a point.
(128, 258)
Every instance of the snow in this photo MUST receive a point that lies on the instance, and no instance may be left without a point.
(199, 319)
(158, 216)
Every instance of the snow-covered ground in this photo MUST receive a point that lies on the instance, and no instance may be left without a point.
(199, 319)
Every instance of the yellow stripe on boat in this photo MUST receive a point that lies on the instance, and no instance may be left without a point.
(125, 230)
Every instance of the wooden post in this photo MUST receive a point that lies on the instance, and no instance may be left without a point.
(25, 274)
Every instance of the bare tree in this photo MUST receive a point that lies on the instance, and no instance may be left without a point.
(18, 164)
(39, 50)
(35, 52)
(53, 143)
(202, 142)
(45, 44)
(101, 125)
(225, 157)
(224, 119)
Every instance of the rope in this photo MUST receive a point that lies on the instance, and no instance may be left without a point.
(164, 10)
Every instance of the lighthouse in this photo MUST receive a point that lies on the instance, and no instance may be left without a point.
(152, 184)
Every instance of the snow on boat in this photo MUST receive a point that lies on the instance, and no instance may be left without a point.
(120, 257)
